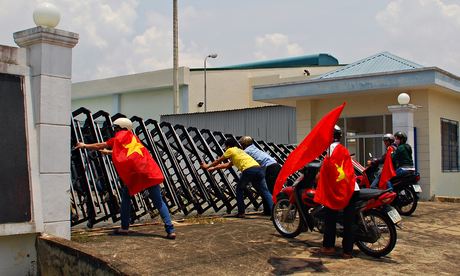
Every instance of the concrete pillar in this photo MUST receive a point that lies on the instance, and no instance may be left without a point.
(403, 120)
(49, 56)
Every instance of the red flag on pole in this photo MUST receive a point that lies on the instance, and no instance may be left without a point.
(336, 182)
(133, 162)
(388, 170)
(310, 148)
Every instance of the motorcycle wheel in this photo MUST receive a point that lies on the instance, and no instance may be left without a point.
(407, 202)
(286, 218)
(386, 231)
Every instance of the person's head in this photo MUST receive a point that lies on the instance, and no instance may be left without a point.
(337, 133)
(400, 138)
(388, 139)
(231, 142)
(122, 124)
(246, 141)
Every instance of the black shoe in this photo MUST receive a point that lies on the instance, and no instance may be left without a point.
(240, 215)
(171, 236)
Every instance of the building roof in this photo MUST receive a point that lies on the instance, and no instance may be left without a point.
(379, 63)
(299, 61)
(380, 72)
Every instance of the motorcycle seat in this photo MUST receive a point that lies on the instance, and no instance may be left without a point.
(370, 193)
(408, 176)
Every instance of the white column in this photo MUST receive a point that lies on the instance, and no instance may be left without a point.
(403, 120)
(49, 55)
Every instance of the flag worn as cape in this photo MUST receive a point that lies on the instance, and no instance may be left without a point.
(310, 148)
(133, 162)
(388, 170)
(336, 182)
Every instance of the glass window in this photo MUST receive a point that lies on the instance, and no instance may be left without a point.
(364, 135)
(449, 145)
(365, 125)
(388, 124)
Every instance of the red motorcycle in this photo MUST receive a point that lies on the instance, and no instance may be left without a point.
(296, 212)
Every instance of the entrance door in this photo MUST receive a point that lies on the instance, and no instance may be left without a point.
(364, 145)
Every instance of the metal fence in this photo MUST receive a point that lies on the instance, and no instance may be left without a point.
(187, 189)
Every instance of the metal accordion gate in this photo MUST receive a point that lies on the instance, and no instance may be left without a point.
(187, 189)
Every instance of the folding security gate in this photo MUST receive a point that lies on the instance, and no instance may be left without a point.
(187, 189)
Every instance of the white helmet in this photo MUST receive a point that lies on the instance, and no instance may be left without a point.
(123, 123)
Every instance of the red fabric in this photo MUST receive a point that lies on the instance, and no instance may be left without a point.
(388, 170)
(336, 182)
(311, 147)
(133, 162)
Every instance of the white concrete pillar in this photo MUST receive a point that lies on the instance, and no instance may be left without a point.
(49, 56)
(403, 120)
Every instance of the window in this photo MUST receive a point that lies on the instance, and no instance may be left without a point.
(363, 135)
(449, 145)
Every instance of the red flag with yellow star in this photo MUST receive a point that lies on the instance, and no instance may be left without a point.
(133, 162)
(388, 170)
(311, 147)
(336, 182)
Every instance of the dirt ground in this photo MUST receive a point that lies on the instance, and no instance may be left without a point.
(428, 244)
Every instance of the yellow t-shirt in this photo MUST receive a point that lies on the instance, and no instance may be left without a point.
(240, 159)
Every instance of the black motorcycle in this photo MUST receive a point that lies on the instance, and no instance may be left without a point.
(406, 187)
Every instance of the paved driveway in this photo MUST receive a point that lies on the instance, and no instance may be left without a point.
(428, 244)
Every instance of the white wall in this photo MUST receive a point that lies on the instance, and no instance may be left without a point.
(95, 104)
(147, 104)
(18, 255)
(232, 89)
(442, 105)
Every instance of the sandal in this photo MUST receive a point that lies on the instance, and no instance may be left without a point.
(327, 251)
(120, 232)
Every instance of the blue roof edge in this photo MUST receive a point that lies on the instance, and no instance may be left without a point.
(321, 59)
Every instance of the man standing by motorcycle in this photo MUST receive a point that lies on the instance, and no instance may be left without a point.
(388, 140)
(336, 191)
(402, 156)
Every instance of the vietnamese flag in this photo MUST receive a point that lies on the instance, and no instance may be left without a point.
(336, 182)
(388, 170)
(310, 148)
(133, 162)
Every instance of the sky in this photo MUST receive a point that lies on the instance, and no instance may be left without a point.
(133, 36)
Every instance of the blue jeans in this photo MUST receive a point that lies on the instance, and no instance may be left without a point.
(256, 176)
(155, 196)
(375, 183)
(401, 172)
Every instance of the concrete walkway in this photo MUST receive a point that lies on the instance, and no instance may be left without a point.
(428, 244)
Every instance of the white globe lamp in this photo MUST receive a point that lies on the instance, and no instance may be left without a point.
(46, 15)
(403, 98)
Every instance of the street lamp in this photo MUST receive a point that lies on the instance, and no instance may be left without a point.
(205, 59)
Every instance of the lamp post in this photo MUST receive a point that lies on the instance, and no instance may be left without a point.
(205, 59)
(176, 109)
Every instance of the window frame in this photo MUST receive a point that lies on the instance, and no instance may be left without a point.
(451, 165)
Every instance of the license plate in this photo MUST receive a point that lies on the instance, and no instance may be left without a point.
(417, 188)
(394, 215)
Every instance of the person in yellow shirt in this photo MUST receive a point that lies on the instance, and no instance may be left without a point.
(250, 170)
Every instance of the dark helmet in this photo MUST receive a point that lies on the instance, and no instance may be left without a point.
(337, 133)
(246, 141)
(401, 136)
(389, 137)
